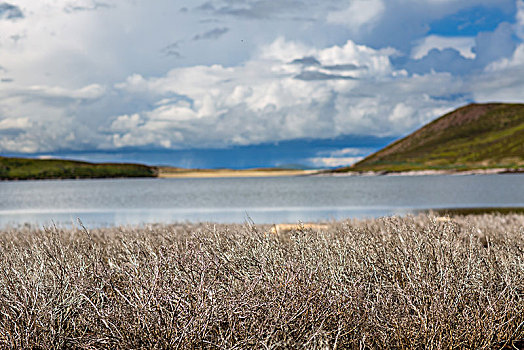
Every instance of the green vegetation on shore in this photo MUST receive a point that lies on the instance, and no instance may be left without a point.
(477, 136)
(421, 282)
(478, 211)
(40, 169)
(28, 169)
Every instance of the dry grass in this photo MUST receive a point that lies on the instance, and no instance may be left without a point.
(404, 283)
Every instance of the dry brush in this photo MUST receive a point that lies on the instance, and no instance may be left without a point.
(399, 283)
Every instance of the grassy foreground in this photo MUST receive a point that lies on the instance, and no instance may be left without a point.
(404, 283)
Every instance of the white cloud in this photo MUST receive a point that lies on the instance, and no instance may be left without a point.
(349, 151)
(87, 77)
(125, 122)
(359, 14)
(15, 123)
(259, 101)
(337, 158)
(401, 113)
(520, 19)
(517, 60)
(332, 162)
(263, 101)
(90, 92)
(464, 45)
(47, 118)
(502, 80)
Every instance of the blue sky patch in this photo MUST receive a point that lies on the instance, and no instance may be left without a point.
(470, 22)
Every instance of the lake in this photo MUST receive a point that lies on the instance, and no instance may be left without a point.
(109, 202)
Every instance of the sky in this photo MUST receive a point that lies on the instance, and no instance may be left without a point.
(245, 83)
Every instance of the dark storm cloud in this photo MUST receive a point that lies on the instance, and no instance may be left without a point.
(306, 61)
(309, 61)
(96, 5)
(8, 11)
(207, 6)
(260, 9)
(303, 19)
(209, 20)
(172, 50)
(311, 76)
(345, 67)
(212, 34)
(12, 132)
(17, 37)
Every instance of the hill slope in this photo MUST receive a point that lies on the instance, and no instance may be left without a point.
(476, 136)
(25, 169)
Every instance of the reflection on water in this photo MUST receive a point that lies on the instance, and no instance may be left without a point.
(263, 200)
(229, 215)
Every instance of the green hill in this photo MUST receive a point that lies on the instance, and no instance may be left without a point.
(477, 136)
(26, 169)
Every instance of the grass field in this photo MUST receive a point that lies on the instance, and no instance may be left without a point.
(403, 283)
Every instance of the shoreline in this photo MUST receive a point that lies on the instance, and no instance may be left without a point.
(229, 173)
(492, 171)
(254, 173)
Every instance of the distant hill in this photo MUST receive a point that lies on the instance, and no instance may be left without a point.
(477, 136)
(27, 169)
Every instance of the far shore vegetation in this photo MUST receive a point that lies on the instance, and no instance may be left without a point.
(475, 211)
(415, 282)
(38, 169)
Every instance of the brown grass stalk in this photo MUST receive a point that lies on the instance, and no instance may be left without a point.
(400, 283)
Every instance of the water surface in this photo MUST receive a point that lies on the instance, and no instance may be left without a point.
(234, 200)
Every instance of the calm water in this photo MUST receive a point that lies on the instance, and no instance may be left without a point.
(264, 200)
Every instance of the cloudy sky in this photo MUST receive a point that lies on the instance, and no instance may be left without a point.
(243, 83)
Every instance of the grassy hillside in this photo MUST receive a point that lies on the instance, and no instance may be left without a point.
(25, 169)
(476, 136)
